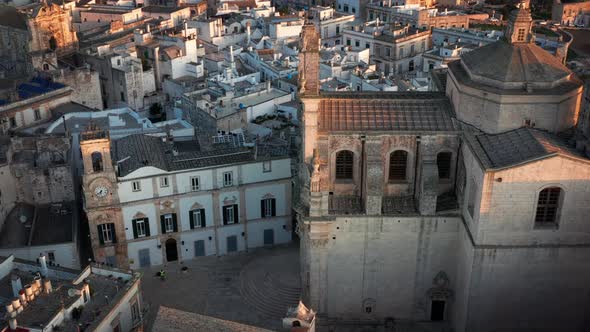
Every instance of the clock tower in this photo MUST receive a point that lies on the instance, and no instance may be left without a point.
(101, 201)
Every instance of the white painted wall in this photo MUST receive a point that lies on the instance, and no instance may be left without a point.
(224, 232)
(148, 209)
(255, 194)
(256, 231)
(133, 248)
(66, 254)
(189, 238)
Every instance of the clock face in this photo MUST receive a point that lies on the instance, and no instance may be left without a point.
(101, 191)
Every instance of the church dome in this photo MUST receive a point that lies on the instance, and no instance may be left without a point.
(506, 65)
(516, 62)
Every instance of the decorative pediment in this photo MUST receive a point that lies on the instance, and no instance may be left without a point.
(440, 287)
(268, 195)
(196, 206)
(139, 215)
(167, 206)
(102, 218)
(230, 200)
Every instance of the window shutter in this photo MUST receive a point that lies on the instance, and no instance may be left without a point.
(146, 222)
(273, 207)
(113, 234)
(191, 218)
(163, 224)
(100, 238)
(224, 209)
(174, 224)
(236, 215)
(262, 215)
(134, 221)
(203, 220)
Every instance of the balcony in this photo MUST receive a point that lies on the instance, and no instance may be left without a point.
(398, 205)
(345, 205)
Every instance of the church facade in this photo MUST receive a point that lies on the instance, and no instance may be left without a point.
(464, 208)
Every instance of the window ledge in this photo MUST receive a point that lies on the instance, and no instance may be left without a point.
(398, 182)
(546, 226)
(344, 181)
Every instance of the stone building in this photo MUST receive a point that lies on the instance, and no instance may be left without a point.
(395, 49)
(35, 37)
(152, 200)
(571, 12)
(464, 209)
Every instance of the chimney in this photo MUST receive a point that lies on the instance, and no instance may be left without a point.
(22, 297)
(148, 28)
(16, 284)
(185, 29)
(37, 285)
(12, 323)
(248, 32)
(47, 286)
(231, 57)
(16, 305)
(43, 262)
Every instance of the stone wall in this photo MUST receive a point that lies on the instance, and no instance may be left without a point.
(86, 85)
(387, 264)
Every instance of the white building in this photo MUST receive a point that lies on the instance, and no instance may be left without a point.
(161, 200)
(330, 24)
(37, 297)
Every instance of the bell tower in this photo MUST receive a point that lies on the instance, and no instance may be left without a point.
(101, 200)
(520, 24)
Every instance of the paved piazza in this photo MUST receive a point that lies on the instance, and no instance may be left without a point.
(252, 288)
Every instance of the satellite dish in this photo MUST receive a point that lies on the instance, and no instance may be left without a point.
(72, 292)
(23, 219)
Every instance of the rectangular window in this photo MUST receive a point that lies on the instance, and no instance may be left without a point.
(13, 122)
(169, 223)
(106, 233)
(51, 256)
(348, 42)
(37, 115)
(122, 96)
(228, 180)
(268, 208)
(230, 214)
(136, 186)
(267, 166)
(141, 227)
(195, 183)
(197, 218)
(164, 182)
(357, 43)
(521, 33)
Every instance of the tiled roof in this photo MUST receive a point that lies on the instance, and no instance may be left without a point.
(137, 151)
(516, 147)
(345, 112)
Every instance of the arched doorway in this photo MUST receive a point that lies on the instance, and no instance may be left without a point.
(171, 250)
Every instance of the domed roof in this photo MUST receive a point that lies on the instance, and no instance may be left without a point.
(514, 66)
(515, 62)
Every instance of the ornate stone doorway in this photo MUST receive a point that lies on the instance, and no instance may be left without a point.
(171, 250)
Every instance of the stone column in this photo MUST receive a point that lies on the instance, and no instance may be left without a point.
(373, 177)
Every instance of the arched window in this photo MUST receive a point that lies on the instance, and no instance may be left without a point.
(344, 164)
(45, 67)
(548, 206)
(397, 165)
(443, 161)
(97, 162)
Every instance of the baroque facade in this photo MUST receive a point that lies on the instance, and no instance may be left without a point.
(465, 208)
(151, 201)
